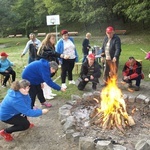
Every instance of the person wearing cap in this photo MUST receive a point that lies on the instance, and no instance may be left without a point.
(90, 72)
(37, 73)
(15, 107)
(132, 70)
(32, 45)
(111, 50)
(86, 46)
(67, 47)
(6, 68)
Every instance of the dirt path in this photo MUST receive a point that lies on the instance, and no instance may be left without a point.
(47, 133)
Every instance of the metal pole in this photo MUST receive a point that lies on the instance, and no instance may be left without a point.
(56, 34)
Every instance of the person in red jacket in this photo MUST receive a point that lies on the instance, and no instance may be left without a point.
(132, 70)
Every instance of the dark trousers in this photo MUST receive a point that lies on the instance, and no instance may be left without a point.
(83, 83)
(137, 79)
(111, 68)
(19, 123)
(7, 76)
(36, 90)
(66, 69)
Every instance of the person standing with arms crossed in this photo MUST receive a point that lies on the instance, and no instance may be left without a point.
(111, 50)
(32, 45)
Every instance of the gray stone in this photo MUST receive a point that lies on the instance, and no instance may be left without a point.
(119, 147)
(86, 143)
(140, 98)
(104, 145)
(131, 99)
(76, 136)
(143, 145)
(125, 97)
(69, 133)
(64, 111)
(69, 124)
(87, 96)
(147, 100)
(75, 97)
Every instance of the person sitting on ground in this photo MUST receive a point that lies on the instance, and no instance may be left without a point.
(32, 45)
(90, 71)
(37, 73)
(15, 108)
(132, 70)
(86, 46)
(6, 68)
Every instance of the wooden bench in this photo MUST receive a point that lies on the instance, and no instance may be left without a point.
(19, 35)
(120, 31)
(41, 34)
(54, 33)
(77, 67)
(73, 33)
(2, 79)
(11, 36)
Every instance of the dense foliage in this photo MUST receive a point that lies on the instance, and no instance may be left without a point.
(21, 16)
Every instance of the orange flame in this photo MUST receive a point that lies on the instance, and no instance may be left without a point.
(112, 98)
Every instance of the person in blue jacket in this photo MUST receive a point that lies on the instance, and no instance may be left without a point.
(67, 47)
(15, 108)
(37, 73)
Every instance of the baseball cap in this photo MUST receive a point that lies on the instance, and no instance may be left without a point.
(92, 56)
(3, 54)
(109, 29)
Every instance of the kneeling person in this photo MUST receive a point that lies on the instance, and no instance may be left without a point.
(132, 71)
(90, 71)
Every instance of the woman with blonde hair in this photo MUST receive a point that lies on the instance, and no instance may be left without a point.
(47, 51)
(15, 108)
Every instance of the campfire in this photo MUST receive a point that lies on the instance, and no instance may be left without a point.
(111, 112)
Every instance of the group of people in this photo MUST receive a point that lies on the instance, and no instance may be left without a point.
(44, 58)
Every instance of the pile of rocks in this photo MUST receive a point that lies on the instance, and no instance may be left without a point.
(75, 120)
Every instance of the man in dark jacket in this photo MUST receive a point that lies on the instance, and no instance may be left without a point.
(90, 71)
(132, 70)
(111, 50)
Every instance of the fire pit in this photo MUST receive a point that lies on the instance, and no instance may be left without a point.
(109, 118)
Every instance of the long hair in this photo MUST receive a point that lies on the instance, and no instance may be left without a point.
(16, 85)
(46, 43)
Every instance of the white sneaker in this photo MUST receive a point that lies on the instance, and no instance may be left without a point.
(64, 85)
(72, 82)
(49, 97)
(52, 94)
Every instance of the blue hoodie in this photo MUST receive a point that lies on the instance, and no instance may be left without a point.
(15, 103)
(38, 72)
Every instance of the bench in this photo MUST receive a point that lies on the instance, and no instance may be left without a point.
(77, 67)
(41, 34)
(19, 35)
(73, 33)
(120, 31)
(54, 33)
(11, 36)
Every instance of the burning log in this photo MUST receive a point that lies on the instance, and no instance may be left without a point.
(112, 113)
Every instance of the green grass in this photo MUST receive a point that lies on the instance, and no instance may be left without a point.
(131, 45)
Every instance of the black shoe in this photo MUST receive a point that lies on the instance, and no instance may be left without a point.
(130, 85)
(137, 88)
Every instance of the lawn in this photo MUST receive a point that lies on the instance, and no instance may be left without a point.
(131, 46)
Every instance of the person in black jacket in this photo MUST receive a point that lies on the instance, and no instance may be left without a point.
(86, 46)
(111, 50)
(90, 72)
